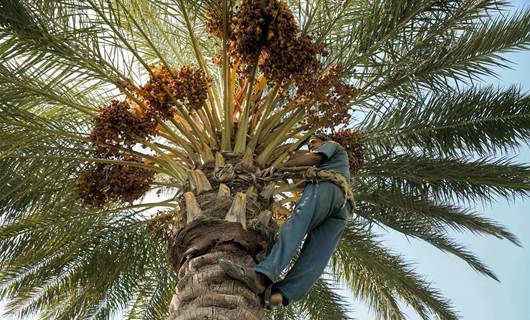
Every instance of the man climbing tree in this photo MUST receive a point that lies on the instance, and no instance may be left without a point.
(320, 214)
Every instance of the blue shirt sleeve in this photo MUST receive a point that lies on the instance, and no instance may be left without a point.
(327, 149)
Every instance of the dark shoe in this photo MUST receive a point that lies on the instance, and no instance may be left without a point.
(246, 275)
(267, 297)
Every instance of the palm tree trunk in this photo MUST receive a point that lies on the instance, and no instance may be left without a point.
(205, 292)
(218, 225)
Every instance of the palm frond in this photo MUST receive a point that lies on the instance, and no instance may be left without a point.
(290, 312)
(52, 39)
(454, 179)
(461, 56)
(400, 208)
(382, 279)
(156, 31)
(385, 60)
(323, 302)
(424, 229)
(94, 274)
(475, 121)
(31, 183)
(151, 299)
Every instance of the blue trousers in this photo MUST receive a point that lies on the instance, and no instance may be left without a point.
(320, 215)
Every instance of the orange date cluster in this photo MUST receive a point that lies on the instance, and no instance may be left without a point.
(165, 89)
(266, 32)
(102, 183)
(351, 140)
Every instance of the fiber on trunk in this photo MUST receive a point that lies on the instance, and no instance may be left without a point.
(204, 291)
(227, 220)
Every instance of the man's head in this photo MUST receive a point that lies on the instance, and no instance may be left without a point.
(316, 141)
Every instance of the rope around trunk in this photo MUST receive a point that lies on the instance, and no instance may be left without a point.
(312, 174)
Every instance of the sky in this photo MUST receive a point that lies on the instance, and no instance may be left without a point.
(474, 296)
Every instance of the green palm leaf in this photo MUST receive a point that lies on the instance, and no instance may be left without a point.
(476, 121)
(448, 179)
(381, 278)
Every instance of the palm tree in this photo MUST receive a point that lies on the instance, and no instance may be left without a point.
(132, 133)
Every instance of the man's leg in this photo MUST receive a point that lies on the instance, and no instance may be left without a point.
(309, 211)
(316, 252)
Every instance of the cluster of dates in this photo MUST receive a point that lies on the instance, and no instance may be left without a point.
(121, 125)
(102, 182)
(116, 130)
(351, 140)
(266, 32)
(166, 88)
(326, 99)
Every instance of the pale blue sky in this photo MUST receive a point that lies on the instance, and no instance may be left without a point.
(473, 295)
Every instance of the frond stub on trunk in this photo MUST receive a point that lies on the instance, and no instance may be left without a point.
(252, 193)
(193, 211)
(237, 212)
(268, 191)
(207, 155)
(248, 160)
(219, 160)
(224, 191)
(199, 182)
(264, 217)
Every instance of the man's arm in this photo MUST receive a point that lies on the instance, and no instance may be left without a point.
(306, 159)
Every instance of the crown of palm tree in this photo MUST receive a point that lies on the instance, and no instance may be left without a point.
(116, 102)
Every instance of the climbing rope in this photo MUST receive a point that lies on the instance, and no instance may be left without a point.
(312, 174)
(304, 174)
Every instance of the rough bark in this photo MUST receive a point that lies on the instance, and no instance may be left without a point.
(205, 292)
(228, 218)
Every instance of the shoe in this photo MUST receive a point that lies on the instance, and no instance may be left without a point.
(267, 297)
(242, 274)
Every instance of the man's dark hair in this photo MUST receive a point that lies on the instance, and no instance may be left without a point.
(321, 136)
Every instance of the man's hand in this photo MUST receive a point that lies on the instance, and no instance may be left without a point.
(306, 159)
(268, 172)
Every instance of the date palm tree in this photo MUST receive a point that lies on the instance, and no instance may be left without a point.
(133, 133)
